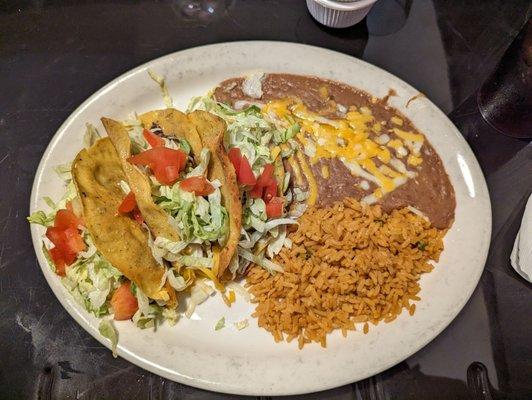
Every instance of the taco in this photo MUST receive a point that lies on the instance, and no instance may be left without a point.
(97, 173)
(207, 244)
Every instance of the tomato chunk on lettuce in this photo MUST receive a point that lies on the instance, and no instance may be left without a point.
(124, 303)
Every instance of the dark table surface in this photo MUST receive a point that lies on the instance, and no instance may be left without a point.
(53, 55)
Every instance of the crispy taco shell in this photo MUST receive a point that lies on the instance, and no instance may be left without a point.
(211, 129)
(97, 173)
(200, 129)
(154, 216)
(174, 123)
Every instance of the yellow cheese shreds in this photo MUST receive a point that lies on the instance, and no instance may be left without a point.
(278, 107)
(325, 171)
(414, 137)
(349, 140)
(215, 260)
(312, 186)
(232, 296)
(389, 172)
(414, 161)
(209, 274)
(324, 92)
(274, 152)
(397, 120)
(395, 144)
(228, 299)
(386, 183)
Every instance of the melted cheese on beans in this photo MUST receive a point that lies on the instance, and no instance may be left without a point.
(354, 140)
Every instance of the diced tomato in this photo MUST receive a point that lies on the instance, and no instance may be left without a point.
(59, 261)
(236, 157)
(70, 208)
(197, 184)
(124, 303)
(137, 216)
(270, 191)
(128, 204)
(66, 219)
(256, 192)
(73, 241)
(242, 167)
(68, 240)
(262, 182)
(164, 162)
(153, 139)
(68, 258)
(266, 175)
(55, 235)
(167, 175)
(245, 174)
(274, 208)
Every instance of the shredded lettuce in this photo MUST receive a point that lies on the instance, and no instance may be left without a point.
(41, 218)
(162, 85)
(195, 261)
(239, 289)
(108, 331)
(175, 280)
(300, 195)
(278, 241)
(246, 129)
(199, 292)
(283, 136)
(286, 182)
(198, 219)
(241, 324)
(47, 254)
(163, 248)
(220, 324)
(262, 261)
(91, 279)
(201, 168)
(46, 219)
(135, 128)
(254, 214)
(64, 171)
(91, 135)
(149, 315)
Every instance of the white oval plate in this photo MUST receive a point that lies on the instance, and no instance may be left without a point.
(248, 361)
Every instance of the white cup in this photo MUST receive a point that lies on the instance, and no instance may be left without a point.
(341, 13)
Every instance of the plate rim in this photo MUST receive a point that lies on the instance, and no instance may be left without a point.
(213, 386)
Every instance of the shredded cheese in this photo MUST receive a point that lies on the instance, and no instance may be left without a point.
(414, 161)
(209, 274)
(397, 120)
(325, 171)
(414, 137)
(215, 260)
(351, 140)
(312, 185)
(274, 153)
(324, 92)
